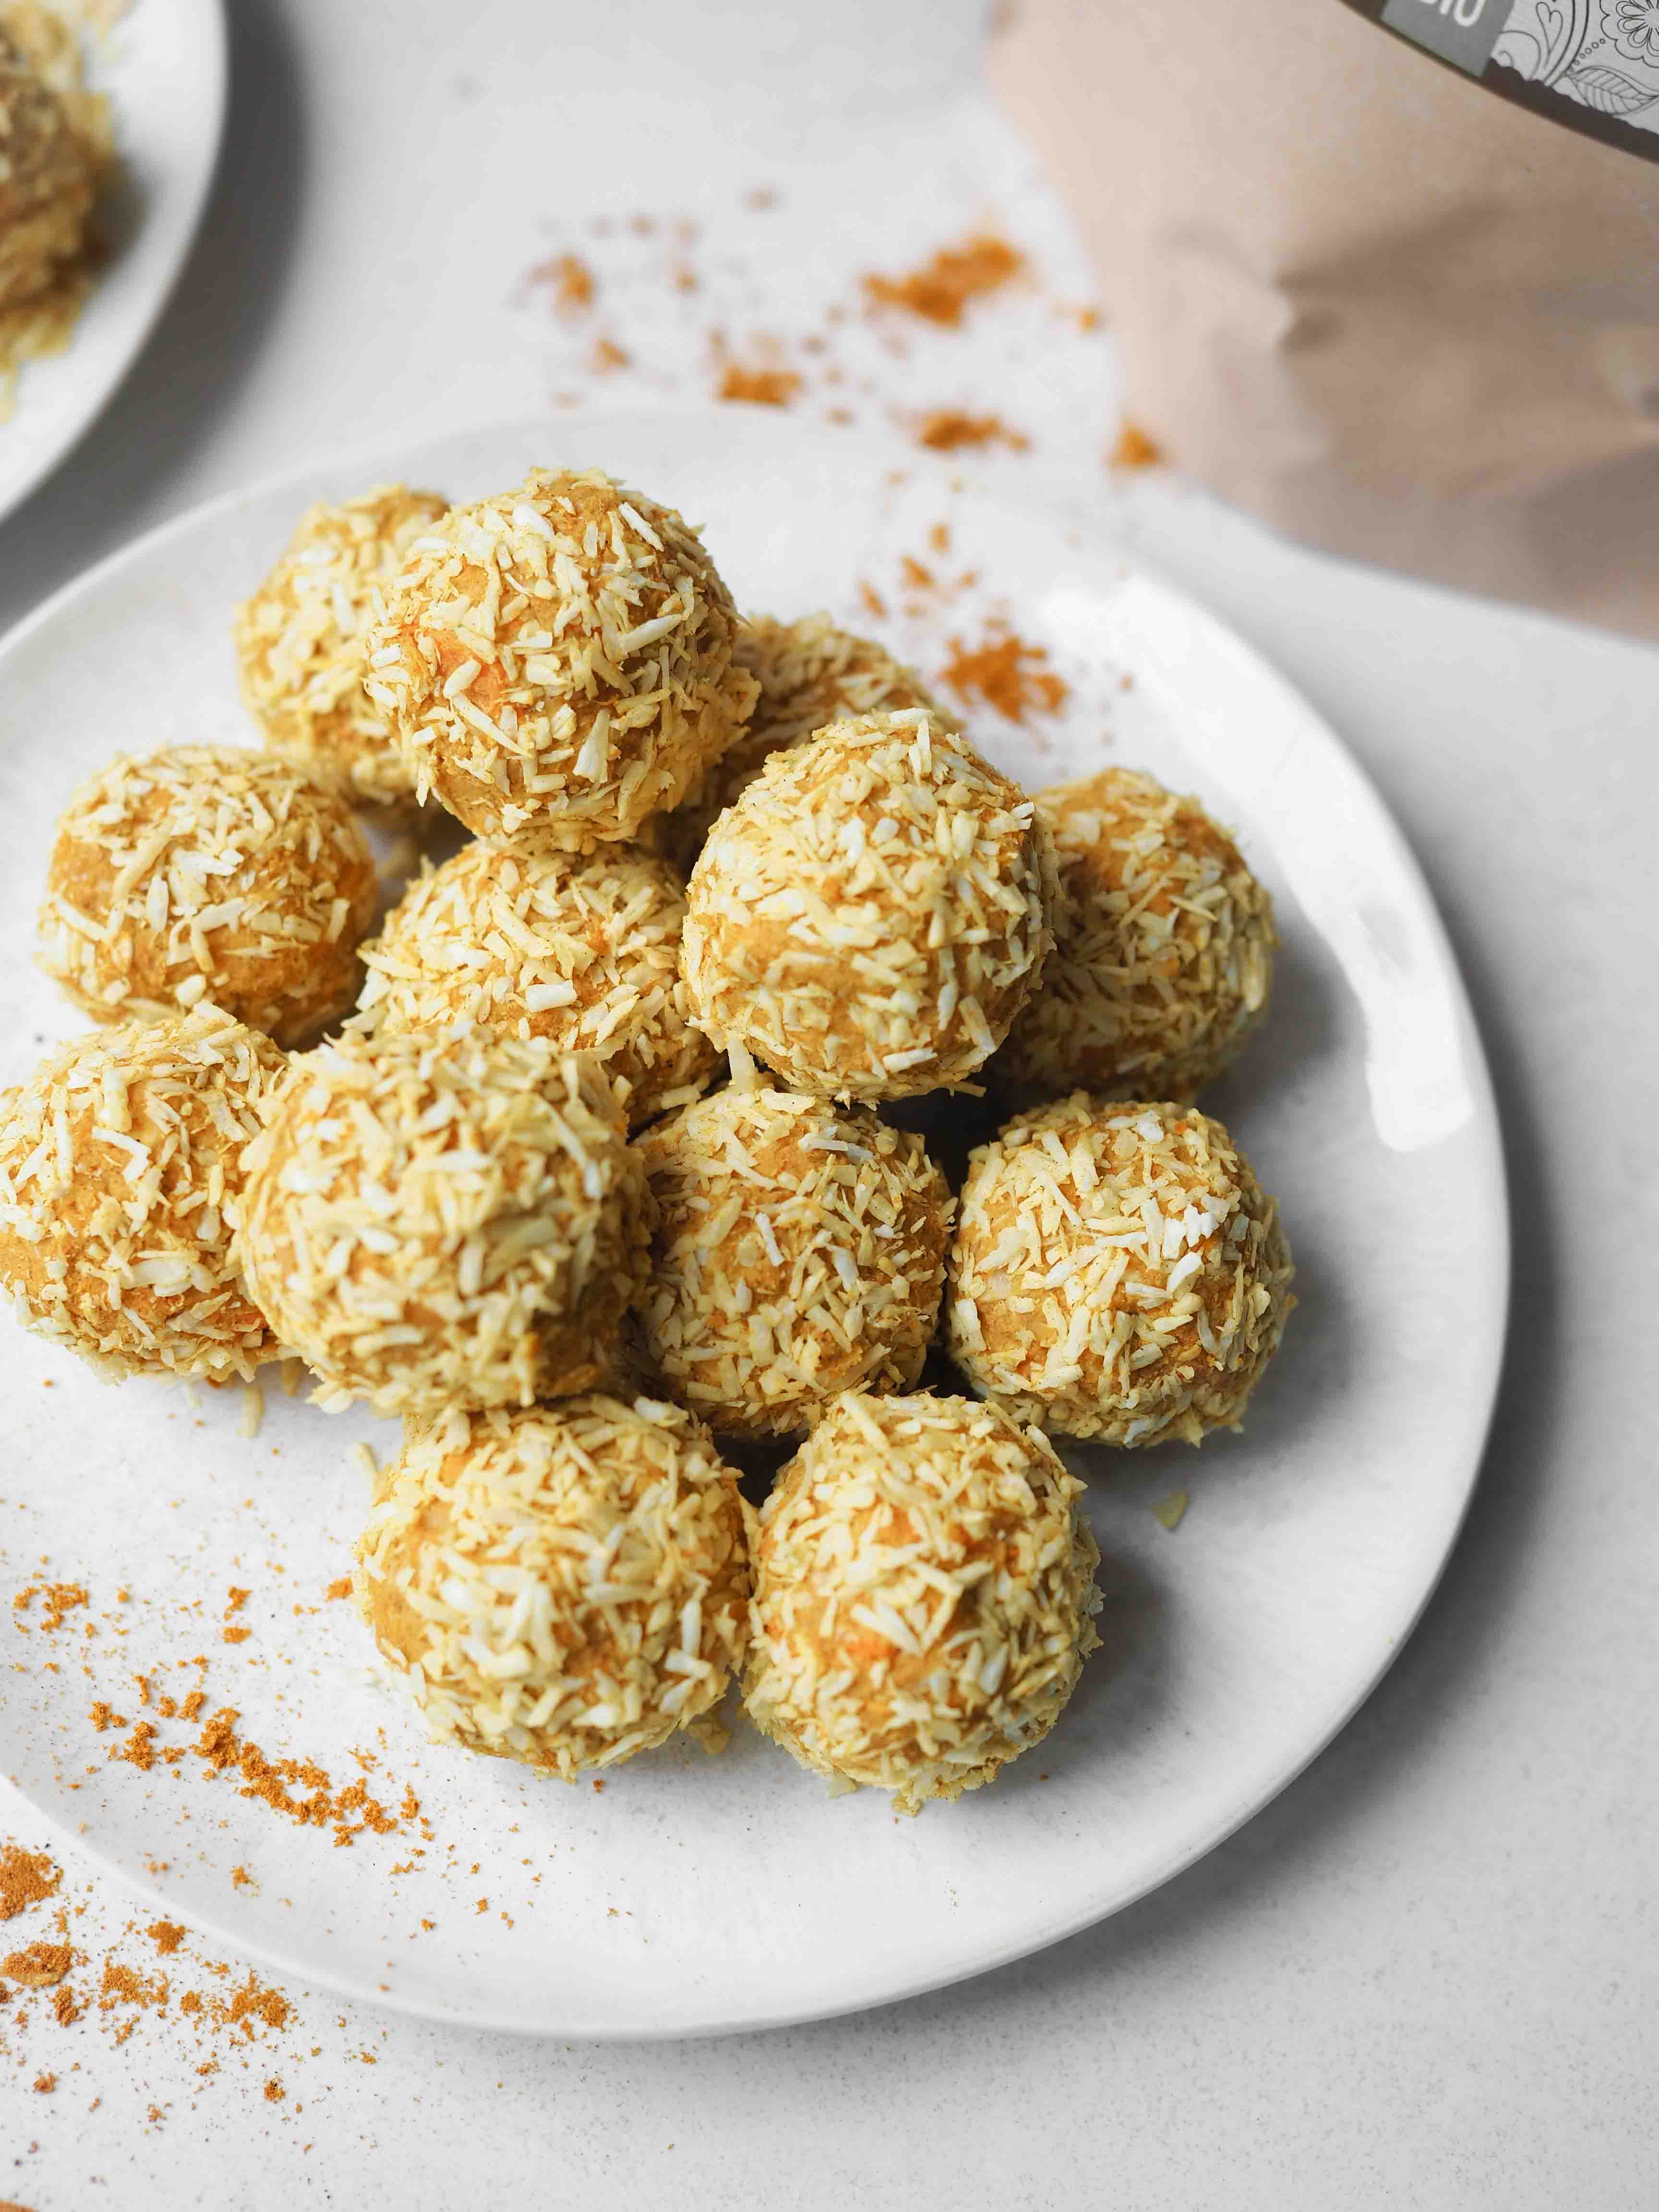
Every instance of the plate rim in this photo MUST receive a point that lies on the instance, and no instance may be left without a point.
(192, 207)
(970, 1961)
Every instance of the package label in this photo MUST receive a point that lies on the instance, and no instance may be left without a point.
(1593, 64)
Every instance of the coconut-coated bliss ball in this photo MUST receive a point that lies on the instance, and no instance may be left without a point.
(1164, 946)
(811, 673)
(120, 1175)
(869, 917)
(1117, 1273)
(580, 950)
(566, 1585)
(300, 640)
(798, 1251)
(48, 178)
(207, 872)
(558, 662)
(432, 1221)
(924, 1597)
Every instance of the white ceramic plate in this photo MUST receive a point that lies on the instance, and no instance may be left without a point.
(697, 1894)
(164, 70)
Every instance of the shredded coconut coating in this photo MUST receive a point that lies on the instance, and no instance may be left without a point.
(120, 1177)
(301, 640)
(48, 178)
(810, 674)
(870, 916)
(207, 872)
(1163, 944)
(567, 1586)
(434, 1221)
(798, 1252)
(558, 662)
(1117, 1272)
(924, 1597)
(580, 950)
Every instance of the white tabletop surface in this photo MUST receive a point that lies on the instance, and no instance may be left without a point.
(1426, 1976)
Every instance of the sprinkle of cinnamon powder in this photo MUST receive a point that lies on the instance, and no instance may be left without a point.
(1135, 449)
(941, 289)
(25, 1878)
(1006, 672)
(38, 1965)
(61, 1600)
(569, 281)
(758, 387)
(948, 430)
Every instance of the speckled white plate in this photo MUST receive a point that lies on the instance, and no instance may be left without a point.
(163, 68)
(695, 1894)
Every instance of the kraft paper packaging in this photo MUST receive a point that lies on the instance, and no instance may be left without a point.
(1354, 292)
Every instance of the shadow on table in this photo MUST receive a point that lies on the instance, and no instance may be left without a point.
(204, 348)
(1451, 1646)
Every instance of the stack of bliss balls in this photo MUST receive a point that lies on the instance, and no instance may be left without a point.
(584, 1163)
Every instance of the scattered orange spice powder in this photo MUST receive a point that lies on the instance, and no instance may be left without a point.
(1006, 672)
(568, 279)
(948, 430)
(940, 290)
(1135, 449)
(758, 387)
(25, 1878)
(61, 1600)
(38, 1965)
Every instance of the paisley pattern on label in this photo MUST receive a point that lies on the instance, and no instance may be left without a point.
(1603, 54)
(1592, 65)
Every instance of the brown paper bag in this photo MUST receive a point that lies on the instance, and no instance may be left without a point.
(1356, 292)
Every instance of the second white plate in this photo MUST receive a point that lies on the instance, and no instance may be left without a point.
(164, 70)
